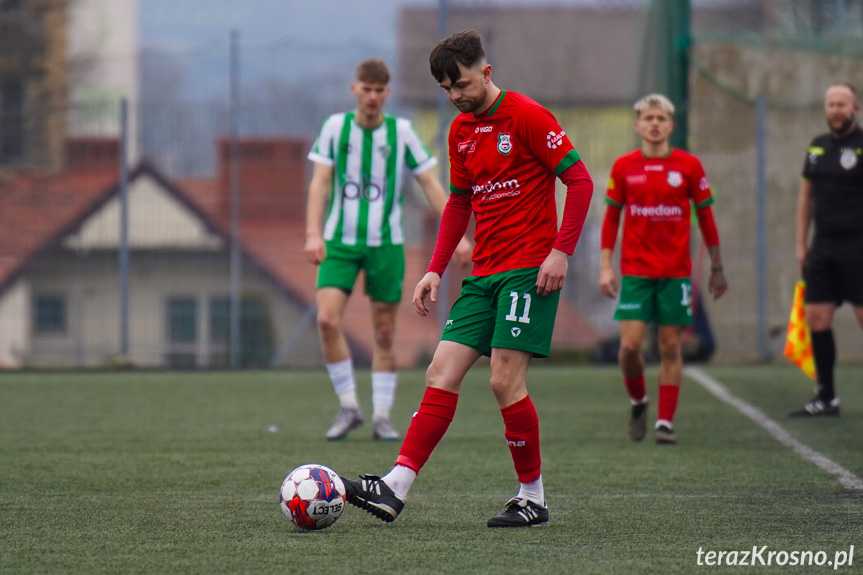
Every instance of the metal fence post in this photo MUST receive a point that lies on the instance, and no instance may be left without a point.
(124, 228)
(235, 205)
(761, 224)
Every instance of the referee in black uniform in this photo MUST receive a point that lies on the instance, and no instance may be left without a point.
(831, 195)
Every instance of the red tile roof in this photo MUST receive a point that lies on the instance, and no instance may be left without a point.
(36, 212)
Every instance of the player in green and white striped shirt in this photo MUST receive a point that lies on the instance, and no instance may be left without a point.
(359, 162)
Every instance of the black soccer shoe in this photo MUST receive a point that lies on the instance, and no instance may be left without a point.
(375, 496)
(817, 408)
(638, 421)
(520, 513)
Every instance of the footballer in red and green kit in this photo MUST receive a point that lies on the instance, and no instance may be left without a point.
(503, 166)
(654, 189)
(505, 152)
(655, 195)
(507, 159)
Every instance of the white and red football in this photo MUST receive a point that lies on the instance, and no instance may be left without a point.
(312, 496)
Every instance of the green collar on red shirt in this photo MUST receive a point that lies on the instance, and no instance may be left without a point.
(494, 106)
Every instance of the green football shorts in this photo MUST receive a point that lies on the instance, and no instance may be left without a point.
(384, 266)
(665, 300)
(503, 310)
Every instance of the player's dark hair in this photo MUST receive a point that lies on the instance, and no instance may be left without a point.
(373, 71)
(463, 48)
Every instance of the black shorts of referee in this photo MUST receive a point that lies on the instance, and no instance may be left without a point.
(834, 270)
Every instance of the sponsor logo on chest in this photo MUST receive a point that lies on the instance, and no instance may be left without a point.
(659, 212)
(495, 190)
(467, 147)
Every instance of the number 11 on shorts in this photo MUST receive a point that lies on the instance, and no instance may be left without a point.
(687, 294)
(513, 308)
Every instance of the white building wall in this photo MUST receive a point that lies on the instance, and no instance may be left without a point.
(15, 318)
(157, 220)
(90, 285)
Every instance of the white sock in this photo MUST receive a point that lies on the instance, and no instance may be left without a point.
(400, 479)
(383, 393)
(664, 422)
(342, 376)
(532, 491)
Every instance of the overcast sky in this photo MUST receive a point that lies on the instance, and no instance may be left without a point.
(294, 41)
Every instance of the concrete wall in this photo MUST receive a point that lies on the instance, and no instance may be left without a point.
(724, 84)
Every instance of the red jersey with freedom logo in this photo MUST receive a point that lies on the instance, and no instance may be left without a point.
(508, 158)
(655, 195)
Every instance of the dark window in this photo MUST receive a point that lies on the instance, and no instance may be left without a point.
(256, 333)
(220, 316)
(220, 333)
(182, 320)
(50, 314)
(11, 121)
(182, 333)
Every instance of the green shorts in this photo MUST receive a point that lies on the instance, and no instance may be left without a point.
(384, 266)
(503, 310)
(666, 301)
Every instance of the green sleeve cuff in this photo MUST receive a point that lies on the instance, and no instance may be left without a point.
(456, 190)
(611, 202)
(569, 159)
(705, 203)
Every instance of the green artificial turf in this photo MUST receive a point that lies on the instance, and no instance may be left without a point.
(179, 473)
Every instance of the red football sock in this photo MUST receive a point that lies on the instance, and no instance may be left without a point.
(635, 387)
(522, 435)
(428, 426)
(667, 401)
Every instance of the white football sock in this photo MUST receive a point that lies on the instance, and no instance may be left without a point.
(400, 479)
(532, 491)
(383, 393)
(342, 376)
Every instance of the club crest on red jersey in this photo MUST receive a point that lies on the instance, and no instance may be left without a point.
(674, 179)
(504, 143)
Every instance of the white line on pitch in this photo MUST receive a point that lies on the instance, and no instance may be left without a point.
(845, 477)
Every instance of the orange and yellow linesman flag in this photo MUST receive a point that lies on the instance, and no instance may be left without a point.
(798, 345)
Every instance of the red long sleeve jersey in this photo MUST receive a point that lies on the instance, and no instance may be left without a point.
(655, 195)
(507, 159)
